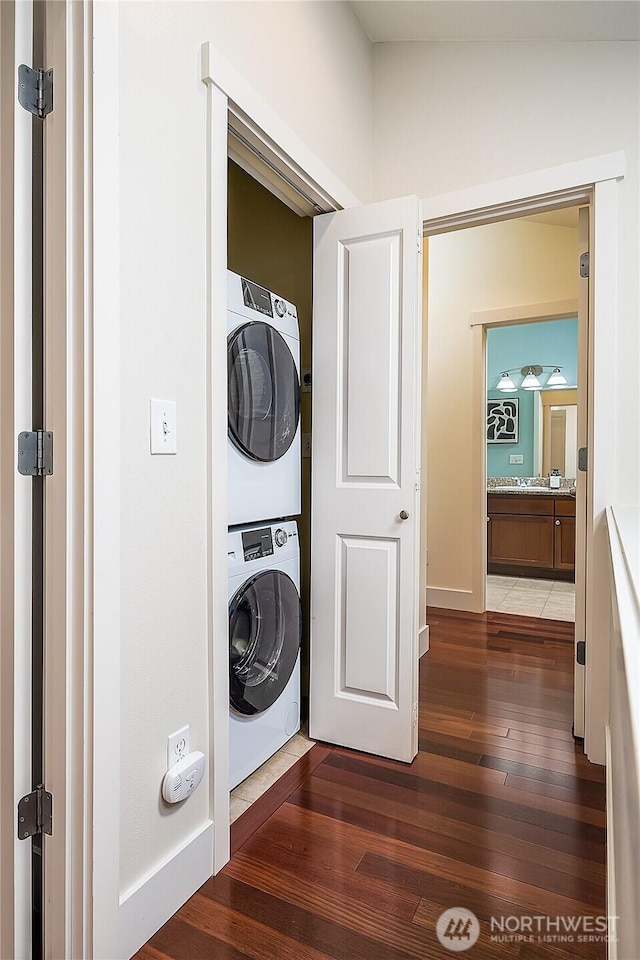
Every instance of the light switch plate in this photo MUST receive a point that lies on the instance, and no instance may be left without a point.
(164, 437)
(516, 458)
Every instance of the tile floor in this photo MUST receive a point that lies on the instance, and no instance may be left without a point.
(265, 776)
(551, 599)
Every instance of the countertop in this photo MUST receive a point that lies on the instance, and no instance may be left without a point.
(533, 491)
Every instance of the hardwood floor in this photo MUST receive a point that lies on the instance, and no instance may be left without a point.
(499, 813)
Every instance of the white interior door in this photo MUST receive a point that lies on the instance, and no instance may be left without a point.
(16, 33)
(365, 470)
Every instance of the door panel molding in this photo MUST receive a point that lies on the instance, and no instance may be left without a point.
(365, 458)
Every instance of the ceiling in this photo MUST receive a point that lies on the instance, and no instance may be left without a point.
(565, 217)
(579, 20)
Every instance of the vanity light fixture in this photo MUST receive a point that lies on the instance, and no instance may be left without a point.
(506, 384)
(556, 380)
(531, 381)
(531, 378)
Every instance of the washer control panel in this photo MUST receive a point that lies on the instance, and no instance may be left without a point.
(257, 544)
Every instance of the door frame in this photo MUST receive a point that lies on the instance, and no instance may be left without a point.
(67, 408)
(233, 103)
(229, 95)
(542, 191)
(15, 491)
(480, 322)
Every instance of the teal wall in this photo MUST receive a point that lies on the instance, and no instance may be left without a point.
(548, 342)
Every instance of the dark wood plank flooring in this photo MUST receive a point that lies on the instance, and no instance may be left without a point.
(354, 857)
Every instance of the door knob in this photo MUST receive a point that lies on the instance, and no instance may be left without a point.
(404, 515)
(557, 523)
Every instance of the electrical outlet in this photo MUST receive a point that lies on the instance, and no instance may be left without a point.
(177, 745)
(516, 458)
(306, 444)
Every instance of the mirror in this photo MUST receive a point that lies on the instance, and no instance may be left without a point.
(556, 432)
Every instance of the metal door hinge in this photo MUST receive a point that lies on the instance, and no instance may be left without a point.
(35, 90)
(35, 453)
(581, 652)
(35, 814)
(584, 264)
(582, 459)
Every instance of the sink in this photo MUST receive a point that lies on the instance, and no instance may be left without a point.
(512, 489)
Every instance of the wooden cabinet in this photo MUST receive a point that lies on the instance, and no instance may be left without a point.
(531, 535)
(564, 549)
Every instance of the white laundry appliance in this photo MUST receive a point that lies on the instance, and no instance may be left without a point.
(263, 369)
(265, 626)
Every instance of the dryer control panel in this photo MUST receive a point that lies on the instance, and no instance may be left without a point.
(256, 297)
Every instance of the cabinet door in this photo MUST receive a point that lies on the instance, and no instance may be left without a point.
(523, 540)
(565, 543)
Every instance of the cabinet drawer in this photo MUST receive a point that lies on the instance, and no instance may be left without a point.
(540, 506)
(565, 507)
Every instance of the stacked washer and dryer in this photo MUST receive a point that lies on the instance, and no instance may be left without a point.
(265, 622)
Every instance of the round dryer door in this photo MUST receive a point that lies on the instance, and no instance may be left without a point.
(264, 392)
(265, 627)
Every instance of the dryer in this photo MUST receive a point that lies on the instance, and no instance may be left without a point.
(263, 368)
(265, 628)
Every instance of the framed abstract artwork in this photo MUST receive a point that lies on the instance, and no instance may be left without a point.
(502, 421)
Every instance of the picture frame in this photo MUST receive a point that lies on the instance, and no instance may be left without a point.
(503, 420)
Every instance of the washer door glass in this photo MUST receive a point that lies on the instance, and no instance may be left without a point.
(265, 627)
(264, 392)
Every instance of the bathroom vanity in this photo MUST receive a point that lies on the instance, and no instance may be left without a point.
(531, 532)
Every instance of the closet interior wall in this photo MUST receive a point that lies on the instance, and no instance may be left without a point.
(272, 245)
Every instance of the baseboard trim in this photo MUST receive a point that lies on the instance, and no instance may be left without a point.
(451, 599)
(146, 907)
(612, 945)
(423, 641)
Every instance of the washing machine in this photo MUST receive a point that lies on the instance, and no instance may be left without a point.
(265, 627)
(263, 367)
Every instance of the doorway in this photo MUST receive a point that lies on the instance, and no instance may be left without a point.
(484, 281)
(270, 244)
(532, 442)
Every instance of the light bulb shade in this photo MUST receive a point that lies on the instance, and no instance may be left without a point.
(556, 379)
(506, 384)
(530, 382)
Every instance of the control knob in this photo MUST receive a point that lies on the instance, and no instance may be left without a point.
(281, 536)
(281, 308)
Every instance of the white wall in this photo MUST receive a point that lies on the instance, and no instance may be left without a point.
(312, 63)
(507, 264)
(623, 740)
(452, 115)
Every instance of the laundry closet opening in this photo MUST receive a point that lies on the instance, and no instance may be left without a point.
(270, 252)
